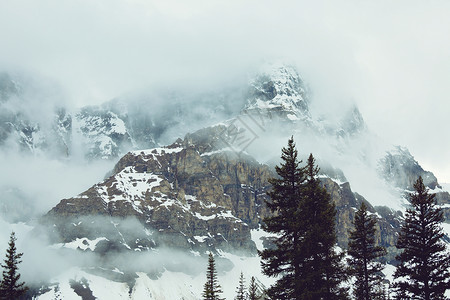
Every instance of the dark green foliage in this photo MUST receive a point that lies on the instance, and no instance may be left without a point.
(211, 289)
(253, 290)
(321, 263)
(240, 290)
(10, 287)
(304, 219)
(363, 254)
(424, 268)
(285, 195)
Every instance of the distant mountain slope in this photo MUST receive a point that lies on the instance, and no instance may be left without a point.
(143, 121)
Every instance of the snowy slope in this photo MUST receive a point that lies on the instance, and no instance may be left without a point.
(279, 89)
(168, 286)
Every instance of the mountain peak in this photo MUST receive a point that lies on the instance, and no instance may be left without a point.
(8, 87)
(400, 168)
(353, 122)
(278, 89)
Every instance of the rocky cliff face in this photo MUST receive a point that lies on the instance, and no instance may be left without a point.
(277, 95)
(443, 200)
(110, 130)
(182, 196)
(347, 202)
(195, 194)
(22, 126)
(29, 136)
(401, 169)
(278, 92)
(104, 133)
(203, 191)
(351, 124)
(8, 87)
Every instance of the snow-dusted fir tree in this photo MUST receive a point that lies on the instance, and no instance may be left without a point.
(304, 257)
(363, 254)
(10, 287)
(424, 268)
(240, 290)
(211, 289)
(253, 293)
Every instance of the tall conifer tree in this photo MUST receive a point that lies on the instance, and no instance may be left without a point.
(323, 266)
(10, 287)
(240, 290)
(424, 268)
(285, 201)
(211, 289)
(363, 254)
(304, 219)
(253, 290)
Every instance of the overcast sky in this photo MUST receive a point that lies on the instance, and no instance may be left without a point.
(390, 57)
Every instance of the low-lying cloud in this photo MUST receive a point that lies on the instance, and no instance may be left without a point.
(41, 182)
(391, 58)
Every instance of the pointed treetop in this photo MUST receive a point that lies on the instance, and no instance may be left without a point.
(290, 150)
(312, 168)
(240, 290)
(424, 263)
(419, 186)
(10, 286)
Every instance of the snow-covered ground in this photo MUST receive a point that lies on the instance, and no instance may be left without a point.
(170, 285)
(446, 227)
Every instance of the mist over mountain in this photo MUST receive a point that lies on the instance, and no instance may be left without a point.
(168, 175)
(136, 136)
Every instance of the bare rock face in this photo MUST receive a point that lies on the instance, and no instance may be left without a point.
(347, 203)
(352, 124)
(8, 87)
(401, 169)
(194, 194)
(443, 201)
(182, 197)
(104, 133)
(278, 92)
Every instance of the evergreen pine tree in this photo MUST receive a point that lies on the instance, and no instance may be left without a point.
(304, 219)
(424, 268)
(211, 289)
(240, 290)
(285, 200)
(363, 254)
(10, 287)
(322, 265)
(253, 290)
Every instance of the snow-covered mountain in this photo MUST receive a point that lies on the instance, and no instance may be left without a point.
(143, 121)
(278, 91)
(401, 169)
(109, 130)
(205, 189)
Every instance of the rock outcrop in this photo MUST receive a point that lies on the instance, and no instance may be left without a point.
(399, 168)
(195, 194)
(278, 92)
(191, 198)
